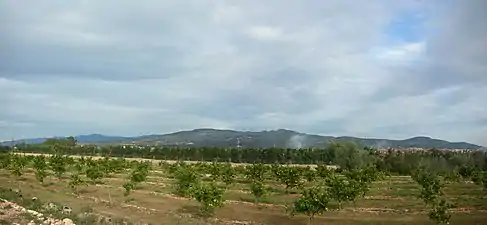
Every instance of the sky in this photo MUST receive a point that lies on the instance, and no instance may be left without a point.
(378, 68)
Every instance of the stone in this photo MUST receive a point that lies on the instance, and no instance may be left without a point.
(67, 210)
(67, 221)
(34, 213)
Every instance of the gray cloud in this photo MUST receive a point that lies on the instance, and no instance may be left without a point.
(321, 67)
(455, 51)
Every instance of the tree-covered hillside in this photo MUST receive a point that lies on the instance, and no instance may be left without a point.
(263, 139)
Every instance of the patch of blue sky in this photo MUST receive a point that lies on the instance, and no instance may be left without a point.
(406, 27)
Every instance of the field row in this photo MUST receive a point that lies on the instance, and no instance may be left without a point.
(268, 194)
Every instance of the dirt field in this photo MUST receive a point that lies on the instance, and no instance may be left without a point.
(155, 162)
(391, 201)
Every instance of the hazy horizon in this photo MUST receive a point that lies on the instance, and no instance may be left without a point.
(382, 69)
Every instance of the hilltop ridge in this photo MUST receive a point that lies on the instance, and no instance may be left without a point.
(282, 138)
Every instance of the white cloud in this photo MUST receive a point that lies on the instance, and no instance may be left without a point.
(321, 67)
(265, 33)
(402, 54)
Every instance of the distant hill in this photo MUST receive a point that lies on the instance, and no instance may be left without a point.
(90, 138)
(263, 139)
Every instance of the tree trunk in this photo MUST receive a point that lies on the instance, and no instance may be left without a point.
(109, 196)
(310, 218)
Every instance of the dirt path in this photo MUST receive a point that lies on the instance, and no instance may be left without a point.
(156, 161)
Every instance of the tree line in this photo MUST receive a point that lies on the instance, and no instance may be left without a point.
(346, 155)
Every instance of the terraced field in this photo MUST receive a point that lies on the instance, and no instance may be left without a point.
(390, 201)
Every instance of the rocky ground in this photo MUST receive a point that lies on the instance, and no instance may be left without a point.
(15, 214)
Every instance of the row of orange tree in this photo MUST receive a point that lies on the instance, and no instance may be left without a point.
(321, 189)
(347, 155)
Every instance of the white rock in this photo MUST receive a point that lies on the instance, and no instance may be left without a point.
(51, 205)
(35, 213)
(67, 221)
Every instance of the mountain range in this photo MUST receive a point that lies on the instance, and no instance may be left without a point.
(281, 138)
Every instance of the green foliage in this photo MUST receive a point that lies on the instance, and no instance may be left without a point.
(210, 196)
(361, 180)
(480, 178)
(214, 169)
(74, 181)
(186, 179)
(365, 175)
(313, 201)
(323, 171)
(5, 160)
(17, 164)
(439, 212)
(309, 174)
(432, 195)
(343, 190)
(288, 175)
(79, 166)
(466, 171)
(256, 172)
(172, 168)
(345, 154)
(128, 186)
(258, 189)
(60, 146)
(40, 166)
(58, 165)
(431, 186)
(137, 175)
(94, 171)
(452, 176)
(240, 169)
(334, 191)
(140, 173)
(228, 174)
(117, 165)
(348, 155)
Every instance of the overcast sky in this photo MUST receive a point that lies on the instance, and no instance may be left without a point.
(377, 68)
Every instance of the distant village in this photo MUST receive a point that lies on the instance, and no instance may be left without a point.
(381, 150)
